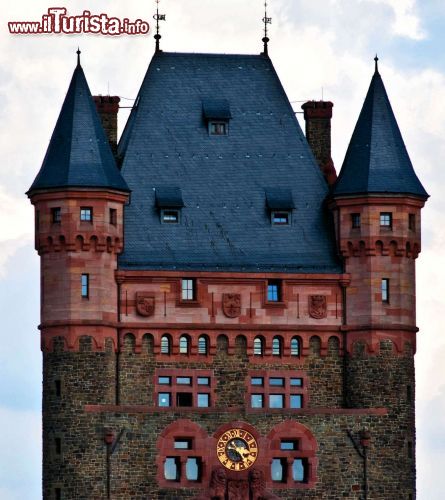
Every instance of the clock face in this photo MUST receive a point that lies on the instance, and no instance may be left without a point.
(237, 449)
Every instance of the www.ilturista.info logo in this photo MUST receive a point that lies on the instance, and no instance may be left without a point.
(57, 22)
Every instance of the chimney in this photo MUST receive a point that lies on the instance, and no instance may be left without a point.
(108, 107)
(317, 115)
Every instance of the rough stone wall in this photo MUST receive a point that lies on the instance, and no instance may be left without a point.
(89, 378)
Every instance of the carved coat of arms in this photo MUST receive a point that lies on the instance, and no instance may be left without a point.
(231, 304)
(317, 306)
(145, 304)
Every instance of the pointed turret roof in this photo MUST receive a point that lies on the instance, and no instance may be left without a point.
(377, 160)
(78, 155)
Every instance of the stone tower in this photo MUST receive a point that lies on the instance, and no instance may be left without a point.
(242, 326)
(78, 197)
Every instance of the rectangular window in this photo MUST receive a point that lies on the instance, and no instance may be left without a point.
(170, 216)
(37, 220)
(385, 290)
(299, 468)
(280, 218)
(276, 381)
(276, 400)
(86, 214)
(58, 493)
(204, 381)
(257, 400)
(274, 291)
(183, 444)
(56, 215)
(58, 387)
(203, 400)
(278, 470)
(85, 285)
(184, 380)
(193, 469)
(184, 399)
(164, 380)
(257, 381)
(58, 443)
(164, 399)
(386, 219)
(218, 128)
(355, 221)
(412, 222)
(172, 468)
(296, 382)
(113, 216)
(289, 445)
(188, 289)
(296, 401)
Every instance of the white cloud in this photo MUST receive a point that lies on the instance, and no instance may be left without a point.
(406, 22)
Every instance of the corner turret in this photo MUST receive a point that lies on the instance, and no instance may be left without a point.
(79, 197)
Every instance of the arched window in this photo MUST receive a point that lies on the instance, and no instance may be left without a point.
(295, 347)
(184, 344)
(277, 346)
(292, 455)
(258, 346)
(165, 344)
(203, 345)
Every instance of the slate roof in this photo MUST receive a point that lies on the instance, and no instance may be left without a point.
(79, 154)
(377, 160)
(225, 222)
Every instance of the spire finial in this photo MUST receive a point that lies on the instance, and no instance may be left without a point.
(158, 17)
(78, 52)
(376, 59)
(266, 20)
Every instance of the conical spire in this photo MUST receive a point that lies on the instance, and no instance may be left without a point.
(377, 160)
(79, 154)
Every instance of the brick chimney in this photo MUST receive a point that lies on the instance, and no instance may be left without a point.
(108, 107)
(317, 115)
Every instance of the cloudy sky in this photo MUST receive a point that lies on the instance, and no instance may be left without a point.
(319, 47)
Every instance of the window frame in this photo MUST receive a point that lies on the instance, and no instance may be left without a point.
(386, 220)
(214, 124)
(188, 294)
(83, 214)
(285, 389)
(113, 216)
(281, 218)
(356, 222)
(385, 291)
(164, 215)
(85, 285)
(56, 215)
(193, 389)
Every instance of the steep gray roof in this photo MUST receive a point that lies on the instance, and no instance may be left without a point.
(377, 160)
(225, 222)
(78, 154)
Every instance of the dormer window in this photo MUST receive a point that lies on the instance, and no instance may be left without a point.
(280, 203)
(217, 115)
(170, 216)
(218, 128)
(169, 202)
(281, 218)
